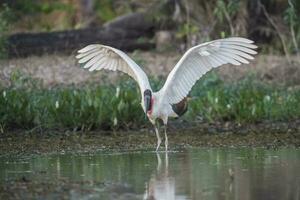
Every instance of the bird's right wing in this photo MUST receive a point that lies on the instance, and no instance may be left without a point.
(98, 57)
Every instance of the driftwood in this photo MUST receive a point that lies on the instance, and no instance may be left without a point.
(126, 36)
(129, 32)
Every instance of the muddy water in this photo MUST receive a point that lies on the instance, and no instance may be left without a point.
(190, 174)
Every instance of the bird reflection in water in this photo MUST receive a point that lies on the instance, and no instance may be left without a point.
(161, 185)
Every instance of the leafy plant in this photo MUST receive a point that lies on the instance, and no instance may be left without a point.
(292, 19)
(226, 11)
(22, 7)
(25, 104)
(186, 29)
(105, 10)
(5, 18)
(245, 101)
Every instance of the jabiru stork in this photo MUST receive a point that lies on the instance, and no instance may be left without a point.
(171, 99)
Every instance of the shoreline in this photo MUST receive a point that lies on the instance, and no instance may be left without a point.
(266, 134)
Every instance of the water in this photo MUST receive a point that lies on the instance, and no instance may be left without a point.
(190, 174)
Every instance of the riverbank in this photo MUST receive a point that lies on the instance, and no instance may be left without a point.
(42, 97)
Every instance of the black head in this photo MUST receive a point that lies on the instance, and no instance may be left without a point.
(148, 100)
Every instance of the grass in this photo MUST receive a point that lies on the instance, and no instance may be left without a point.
(27, 105)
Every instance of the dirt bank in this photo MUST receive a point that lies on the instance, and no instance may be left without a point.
(57, 69)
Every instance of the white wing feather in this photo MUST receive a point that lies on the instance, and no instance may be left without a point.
(98, 57)
(200, 59)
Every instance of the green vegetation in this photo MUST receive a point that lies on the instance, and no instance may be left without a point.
(38, 15)
(32, 15)
(246, 101)
(273, 24)
(105, 10)
(293, 21)
(5, 18)
(26, 105)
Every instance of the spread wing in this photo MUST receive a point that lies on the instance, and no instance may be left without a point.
(200, 59)
(98, 57)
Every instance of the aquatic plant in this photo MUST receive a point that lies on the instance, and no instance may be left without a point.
(26, 104)
(245, 101)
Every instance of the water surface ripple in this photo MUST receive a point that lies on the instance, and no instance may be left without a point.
(207, 173)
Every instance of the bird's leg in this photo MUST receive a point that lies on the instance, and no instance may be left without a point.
(166, 137)
(158, 138)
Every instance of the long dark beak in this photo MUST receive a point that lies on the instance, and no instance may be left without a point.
(147, 102)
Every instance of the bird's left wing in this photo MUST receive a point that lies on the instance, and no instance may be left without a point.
(98, 57)
(200, 59)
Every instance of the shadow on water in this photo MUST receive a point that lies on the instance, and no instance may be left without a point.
(191, 174)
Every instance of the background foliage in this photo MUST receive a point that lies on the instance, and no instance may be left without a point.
(271, 23)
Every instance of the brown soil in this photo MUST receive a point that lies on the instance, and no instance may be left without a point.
(58, 69)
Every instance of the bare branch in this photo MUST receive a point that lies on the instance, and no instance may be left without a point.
(280, 35)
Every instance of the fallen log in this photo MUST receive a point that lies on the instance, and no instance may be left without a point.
(26, 44)
(128, 32)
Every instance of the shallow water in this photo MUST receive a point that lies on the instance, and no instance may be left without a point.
(191, 174)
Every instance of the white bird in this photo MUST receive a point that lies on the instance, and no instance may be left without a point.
(170, 100)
